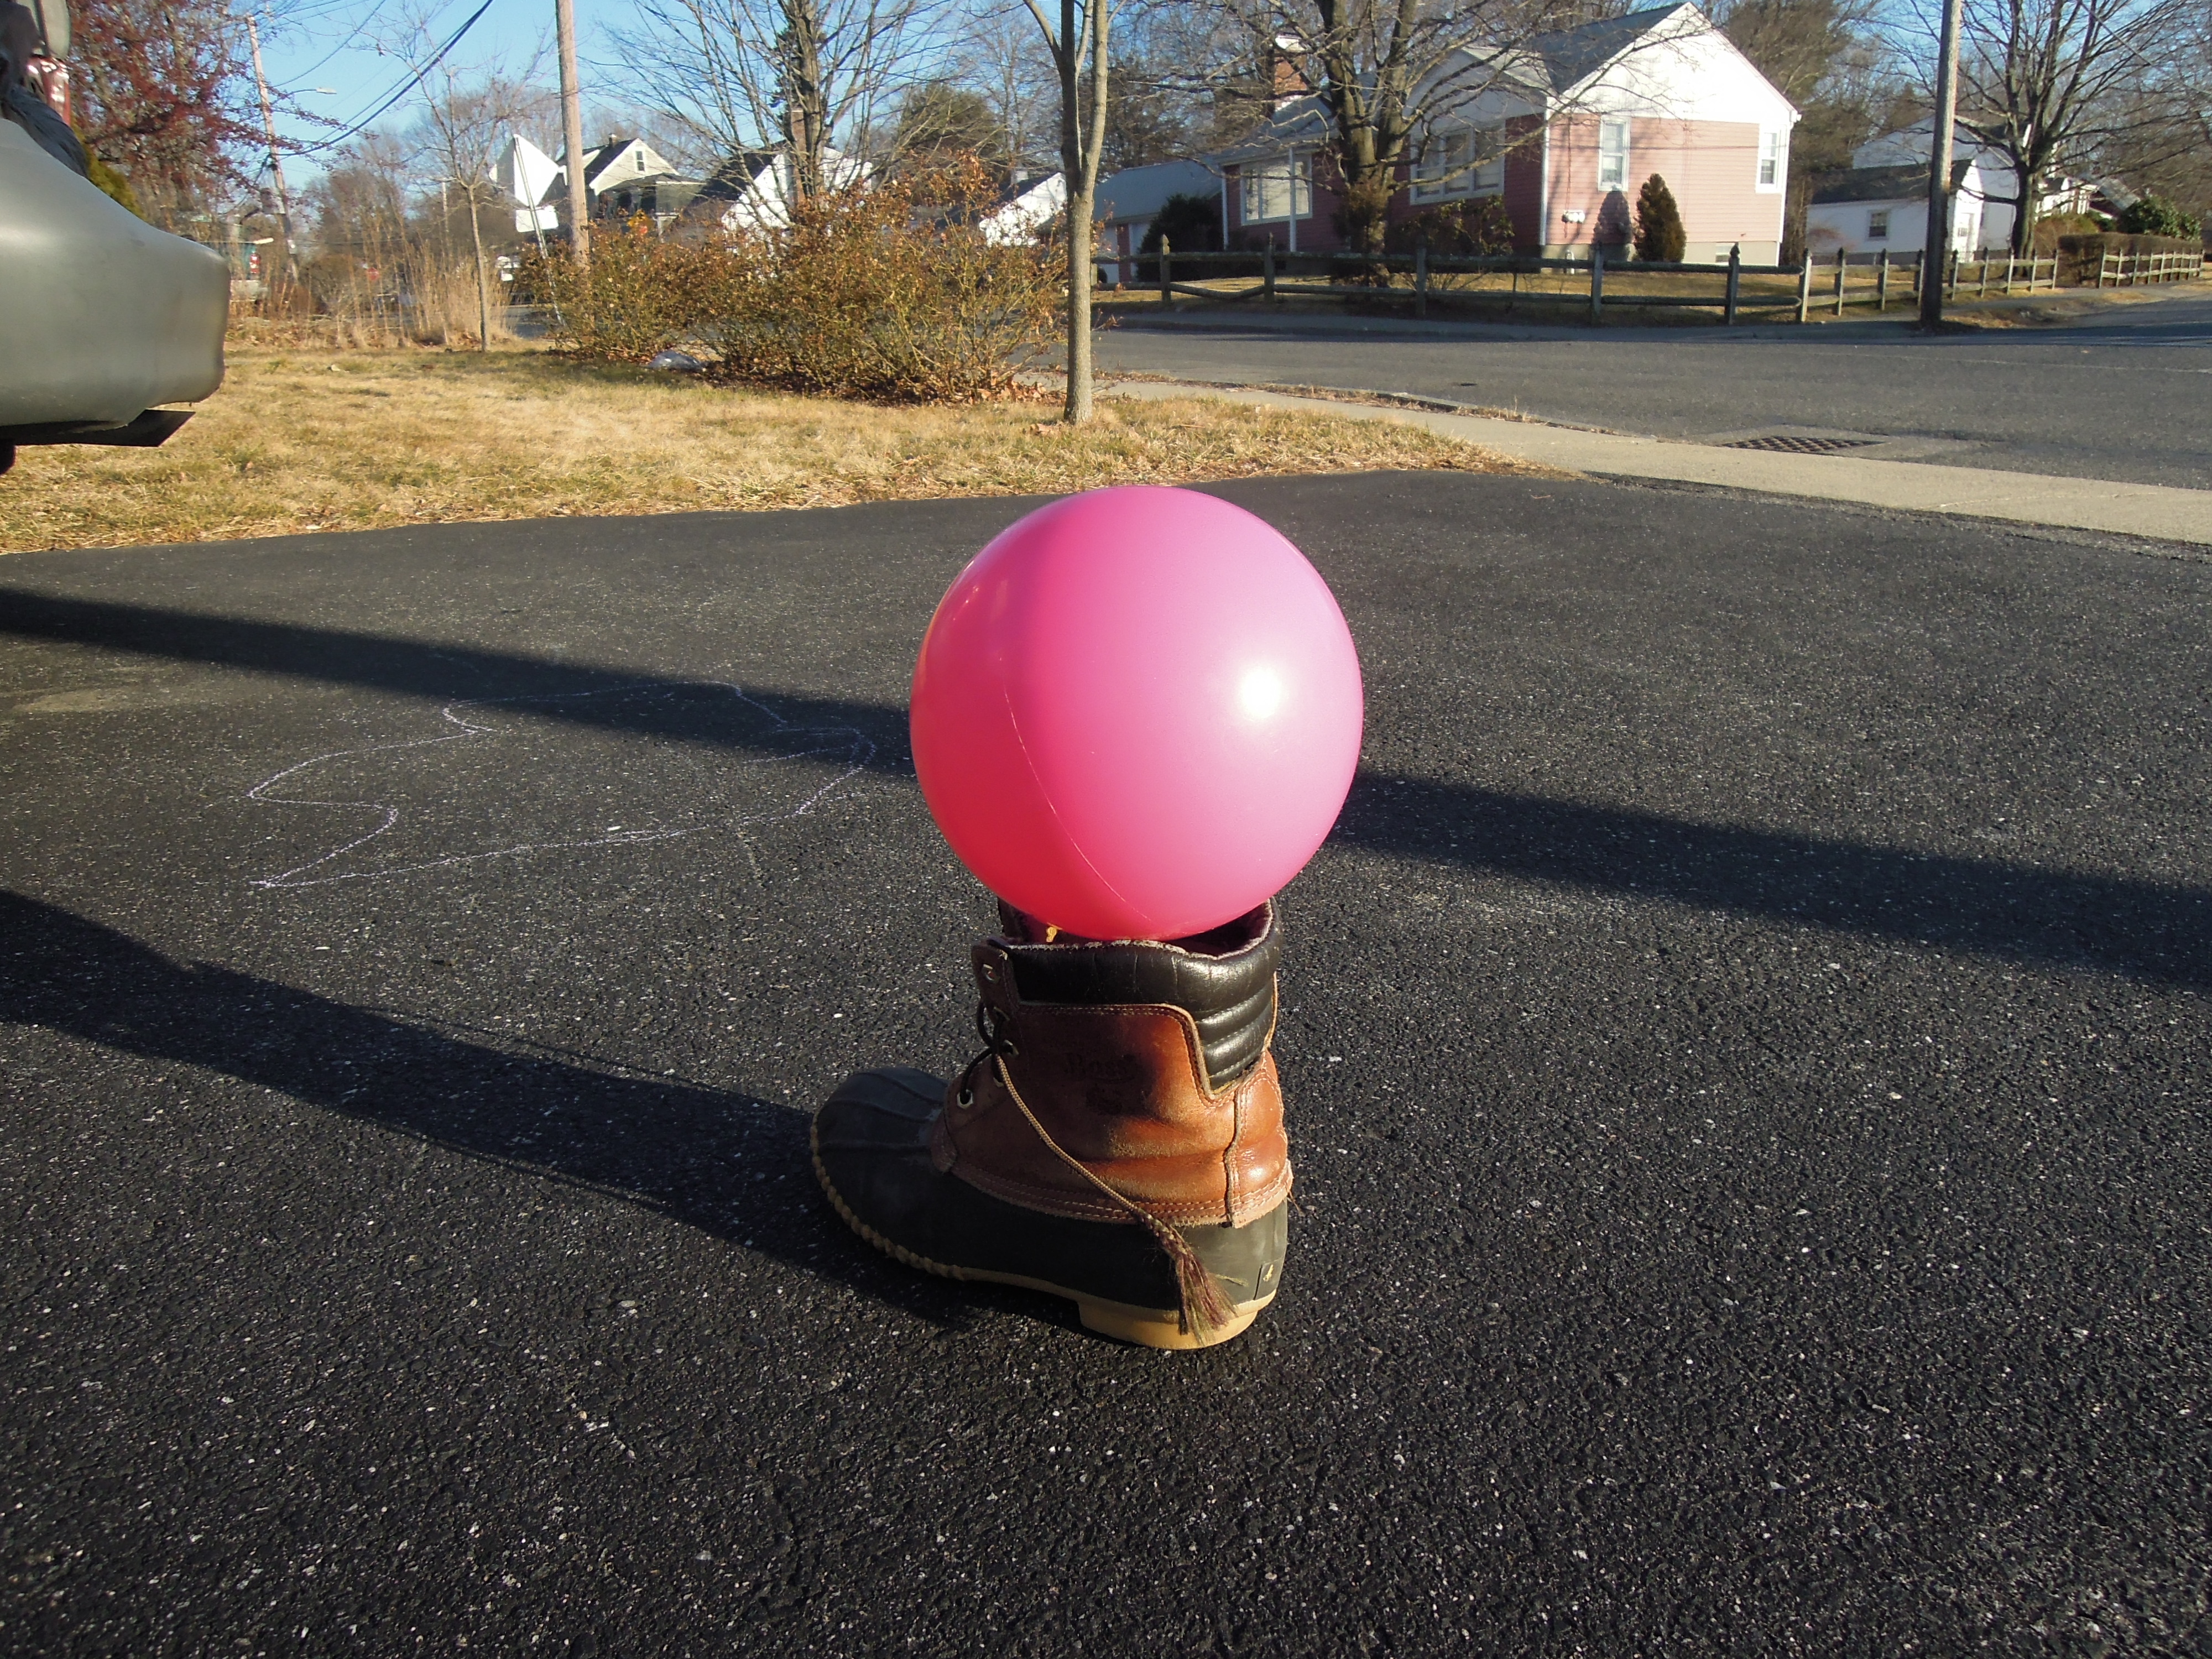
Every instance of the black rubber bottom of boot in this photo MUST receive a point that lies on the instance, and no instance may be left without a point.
(872, 1153)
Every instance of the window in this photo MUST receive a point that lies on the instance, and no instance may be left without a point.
(1612, 155)
(1878, 224)
(1460, 161)
(1279, 190)
(1769, 161)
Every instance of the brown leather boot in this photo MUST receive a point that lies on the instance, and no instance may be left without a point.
(1119, 1141)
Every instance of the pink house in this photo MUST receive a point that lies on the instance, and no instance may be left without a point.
(1565, 130)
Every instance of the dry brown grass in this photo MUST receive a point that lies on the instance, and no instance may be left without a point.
(319, 439)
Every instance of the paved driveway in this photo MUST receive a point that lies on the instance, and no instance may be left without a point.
(1746, 1047)
(2128, 396)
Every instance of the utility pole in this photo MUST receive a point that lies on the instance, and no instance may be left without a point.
(572, 132)
(269, 125)
(1938, 244)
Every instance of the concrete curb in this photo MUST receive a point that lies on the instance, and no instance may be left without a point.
(2157, 512)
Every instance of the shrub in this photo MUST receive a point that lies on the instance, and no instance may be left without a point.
(1191, 224)
(1480, 226)
(638, 296)
(2152, 215)
(1659, 233)
(892, 290)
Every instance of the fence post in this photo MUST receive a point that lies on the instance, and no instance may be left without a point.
(1805, 287)
(1267, 270)
(1840, 258)
(1882, 281)
(1597, 283)
(1735, 282)
(1167, 288)
(2008, 264)
(1421, 277)
(1983, 291)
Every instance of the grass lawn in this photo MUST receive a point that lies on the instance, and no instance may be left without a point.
(300, 439)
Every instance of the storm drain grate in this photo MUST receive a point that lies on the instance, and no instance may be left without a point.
(1794, 446)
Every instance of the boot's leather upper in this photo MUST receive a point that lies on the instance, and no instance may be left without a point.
(1108, 1051)
(1224, 979)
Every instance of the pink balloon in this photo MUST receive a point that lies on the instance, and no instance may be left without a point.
(1137, 713)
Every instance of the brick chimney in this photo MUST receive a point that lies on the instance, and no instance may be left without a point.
(1290, 82)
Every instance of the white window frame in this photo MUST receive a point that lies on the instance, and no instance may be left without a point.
(1460, 161)
(1277, 191)
(1613, 127)
(1877, 224)
(1772, 166)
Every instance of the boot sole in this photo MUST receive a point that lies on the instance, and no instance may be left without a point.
(1147, 1328)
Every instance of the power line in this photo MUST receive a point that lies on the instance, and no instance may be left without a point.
(414, 78)
(358, 29)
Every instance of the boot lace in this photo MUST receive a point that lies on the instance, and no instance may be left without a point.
(1205, 1306)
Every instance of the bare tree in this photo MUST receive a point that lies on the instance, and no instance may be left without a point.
(997, 52)
(1078, 45)
(463, 125)
(799, 74)
(1827, 58)
(1382, 69)
(2052, 83)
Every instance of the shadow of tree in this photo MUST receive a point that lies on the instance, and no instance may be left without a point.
(2107, 924)
(2121, 924)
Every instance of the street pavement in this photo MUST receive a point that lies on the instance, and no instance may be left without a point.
(1746, 1047)
(2125, 394)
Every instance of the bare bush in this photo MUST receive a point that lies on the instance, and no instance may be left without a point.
(640, 294)
(890, 291)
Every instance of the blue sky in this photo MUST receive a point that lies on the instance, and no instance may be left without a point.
(333, 43)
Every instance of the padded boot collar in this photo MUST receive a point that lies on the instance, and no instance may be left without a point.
(1224, 979)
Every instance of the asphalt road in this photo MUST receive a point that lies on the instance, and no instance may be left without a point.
(1746, 1047)
(2128, 396)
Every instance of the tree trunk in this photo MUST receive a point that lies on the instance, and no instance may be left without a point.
(1080, 166)
(1080, 274)
(805, 106)
(483, 287)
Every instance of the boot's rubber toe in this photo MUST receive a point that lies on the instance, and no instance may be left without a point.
(871, 1142)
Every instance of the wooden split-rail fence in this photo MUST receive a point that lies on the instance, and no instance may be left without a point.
(2128, 270)
(1826, 286)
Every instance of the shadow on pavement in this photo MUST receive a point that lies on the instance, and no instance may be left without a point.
(728, 1164)
(2103, 924)
(2109, 924)
(423, 669)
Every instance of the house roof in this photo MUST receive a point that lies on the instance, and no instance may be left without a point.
(1140, 192)
(1569, 57)
(1302, 122)
(1899, 184)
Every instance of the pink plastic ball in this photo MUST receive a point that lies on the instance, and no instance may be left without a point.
(1137, 713)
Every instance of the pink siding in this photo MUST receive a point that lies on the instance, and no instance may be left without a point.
(1712, 167)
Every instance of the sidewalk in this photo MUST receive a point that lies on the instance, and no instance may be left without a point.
(2153, 511)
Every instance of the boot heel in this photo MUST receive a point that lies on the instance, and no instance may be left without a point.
(1161, 1328)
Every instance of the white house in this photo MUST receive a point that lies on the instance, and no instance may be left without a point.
(754, 188)
(528, 176)
(1866, 210)
(1031, 205)
(1995, 195)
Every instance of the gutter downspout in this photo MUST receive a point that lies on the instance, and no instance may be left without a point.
(1544, 181)
(1294, 198)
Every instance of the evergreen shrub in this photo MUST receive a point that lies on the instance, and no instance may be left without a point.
(1659, 233)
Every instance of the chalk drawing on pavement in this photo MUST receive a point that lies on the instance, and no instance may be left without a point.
(618, 767)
